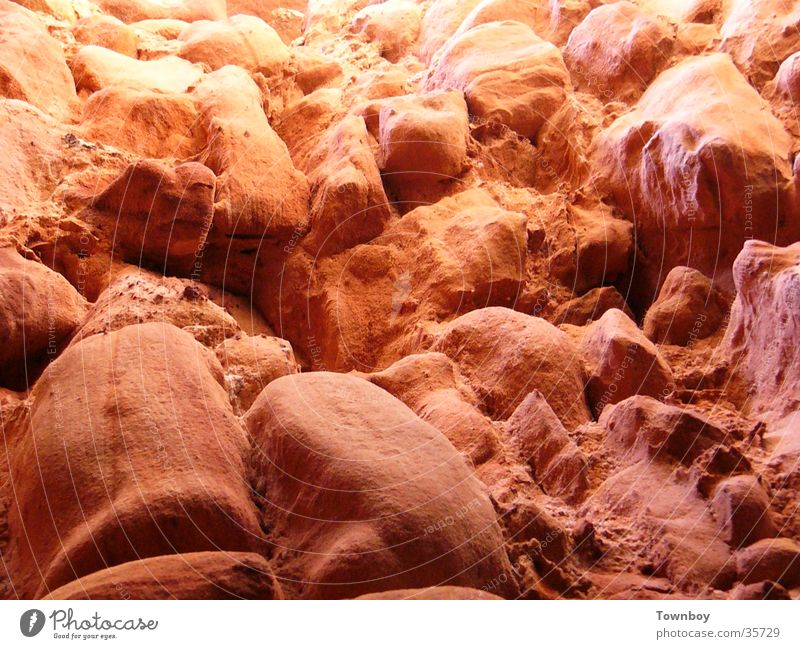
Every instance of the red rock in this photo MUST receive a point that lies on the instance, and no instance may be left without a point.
(621, 362)
(137, 296)
(660, 162)
(39, 312)
(759, 35)
(783, 93)
(162, 214)
(437, 593)
(61, 9)
(131, 11)
(506, 355)
(590, 306)
(532, 13)
(242, 151)
(95, 68)
(245, 41)
(392, 26)
(761, 338)
(149, 124)
(760, 590)
(741, 506)
(263, 8)
(423, 138)
(642, 428)
(477, 61)
(127, 401)
(32, 65)
(193, 575)
(617, 51)
(167, 28)
(669, 528)
(462, 253)
(432, 387)
(440, 21)
(559, 466)
(687, 309)
(775, 560)
(31, 160)
(251, 363)
(108, 32)
(319, 434)
(349, 205)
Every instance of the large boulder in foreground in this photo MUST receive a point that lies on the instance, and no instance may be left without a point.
(193, 575)
(39, 311)
(700, 166)
(506, 355)
(362, 496)
(131, 451)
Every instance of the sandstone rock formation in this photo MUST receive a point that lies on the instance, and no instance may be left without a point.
(442, 299)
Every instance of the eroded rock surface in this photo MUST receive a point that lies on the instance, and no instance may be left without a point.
(454, 299)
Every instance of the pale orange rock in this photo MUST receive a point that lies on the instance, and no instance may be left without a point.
(242, 151)
(130, 11)
(148, 123)
(242, 40)
(687, 309)
(431, 385)
(617, 50)
(477, 62)
(621, 362)
(39, 312)
(759, 35)
(393, 27)
(32, 64)
(251, 363)
(95, 68)
(506, 355)
(138, 296)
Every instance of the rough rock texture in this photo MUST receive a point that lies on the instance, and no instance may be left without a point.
(662, 162)
(507, 73)
(39, 312)
(506, 355)
(621, 362)
(407, 299)
(32, 65)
